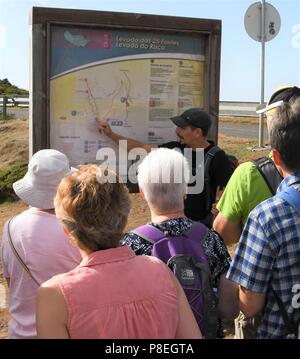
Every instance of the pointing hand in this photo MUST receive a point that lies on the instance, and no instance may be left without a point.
(104, 128)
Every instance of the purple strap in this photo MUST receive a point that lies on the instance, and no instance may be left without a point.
(149, 233)
(198, 231)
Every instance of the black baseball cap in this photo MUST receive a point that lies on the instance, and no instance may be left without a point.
(193, 117)
(283, 95)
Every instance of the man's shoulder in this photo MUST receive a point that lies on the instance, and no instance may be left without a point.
(217, 153)
(244, 187)
(268, 209)
(245, 169)
(173, 144)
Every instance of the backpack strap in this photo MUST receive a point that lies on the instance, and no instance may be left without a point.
(208, 158)
(291, 328)
(198, 231)
(152, 234)
(149, 233)
(269, 173)
(292, 196)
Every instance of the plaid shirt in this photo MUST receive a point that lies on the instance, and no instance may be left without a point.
(268, 255)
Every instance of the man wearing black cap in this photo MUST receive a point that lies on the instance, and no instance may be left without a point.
(192, 130)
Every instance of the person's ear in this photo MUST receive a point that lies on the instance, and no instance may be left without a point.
(277, 160)
(199, 132)
(71, 240)
(276, 157)
(66, 232)
(141, 192)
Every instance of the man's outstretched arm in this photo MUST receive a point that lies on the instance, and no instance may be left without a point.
(106, 129)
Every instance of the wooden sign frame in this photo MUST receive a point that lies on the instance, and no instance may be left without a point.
(42, 20)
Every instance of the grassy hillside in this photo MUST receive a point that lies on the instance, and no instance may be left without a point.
(14, 143)
(6, 88)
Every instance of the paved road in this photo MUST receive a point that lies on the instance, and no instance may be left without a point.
(240, 130)
(19, 113)
(229, 129)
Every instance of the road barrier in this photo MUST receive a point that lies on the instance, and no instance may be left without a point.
(226, 108)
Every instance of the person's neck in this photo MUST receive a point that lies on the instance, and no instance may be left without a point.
(285, 173)
(84, 252)
(201, 143)
(158, 217)
(51, 211)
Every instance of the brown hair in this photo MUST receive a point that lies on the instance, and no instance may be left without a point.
(93, 204)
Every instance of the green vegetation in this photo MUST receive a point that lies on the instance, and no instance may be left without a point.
(9, 116)
(6, 88)
(7, 177)
(241, 148)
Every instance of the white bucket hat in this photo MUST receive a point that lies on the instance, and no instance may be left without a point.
(45, 171)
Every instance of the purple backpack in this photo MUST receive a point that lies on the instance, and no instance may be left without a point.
(185, 256)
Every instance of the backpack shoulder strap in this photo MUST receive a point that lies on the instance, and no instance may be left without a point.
(269, 173)
(291, 328)
(208, 158)
(210, 154)
(149, 233)
(197, 232)
(292, 196)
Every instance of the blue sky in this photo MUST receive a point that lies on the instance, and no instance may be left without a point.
(240, 55)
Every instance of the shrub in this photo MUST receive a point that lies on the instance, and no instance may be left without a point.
(7, 177)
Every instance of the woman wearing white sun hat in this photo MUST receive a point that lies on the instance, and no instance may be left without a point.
(34, 246)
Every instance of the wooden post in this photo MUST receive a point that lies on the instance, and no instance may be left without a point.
(4, 115)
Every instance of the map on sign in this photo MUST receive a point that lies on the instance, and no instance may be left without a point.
(136, 93)
(103, 102)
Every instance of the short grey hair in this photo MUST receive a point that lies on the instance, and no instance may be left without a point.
(163, 176)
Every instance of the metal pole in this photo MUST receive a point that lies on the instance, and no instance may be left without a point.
(262, 73)
(4, 107)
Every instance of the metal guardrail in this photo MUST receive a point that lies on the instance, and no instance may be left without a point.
(226, 108)
(235, 108)
(12, 101)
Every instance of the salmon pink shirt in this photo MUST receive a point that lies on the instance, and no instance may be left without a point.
(115, 294)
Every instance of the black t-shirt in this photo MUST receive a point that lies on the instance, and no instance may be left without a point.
(220, 172)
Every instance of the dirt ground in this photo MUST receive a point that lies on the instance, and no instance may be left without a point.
(13, 142)
(14, 149)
